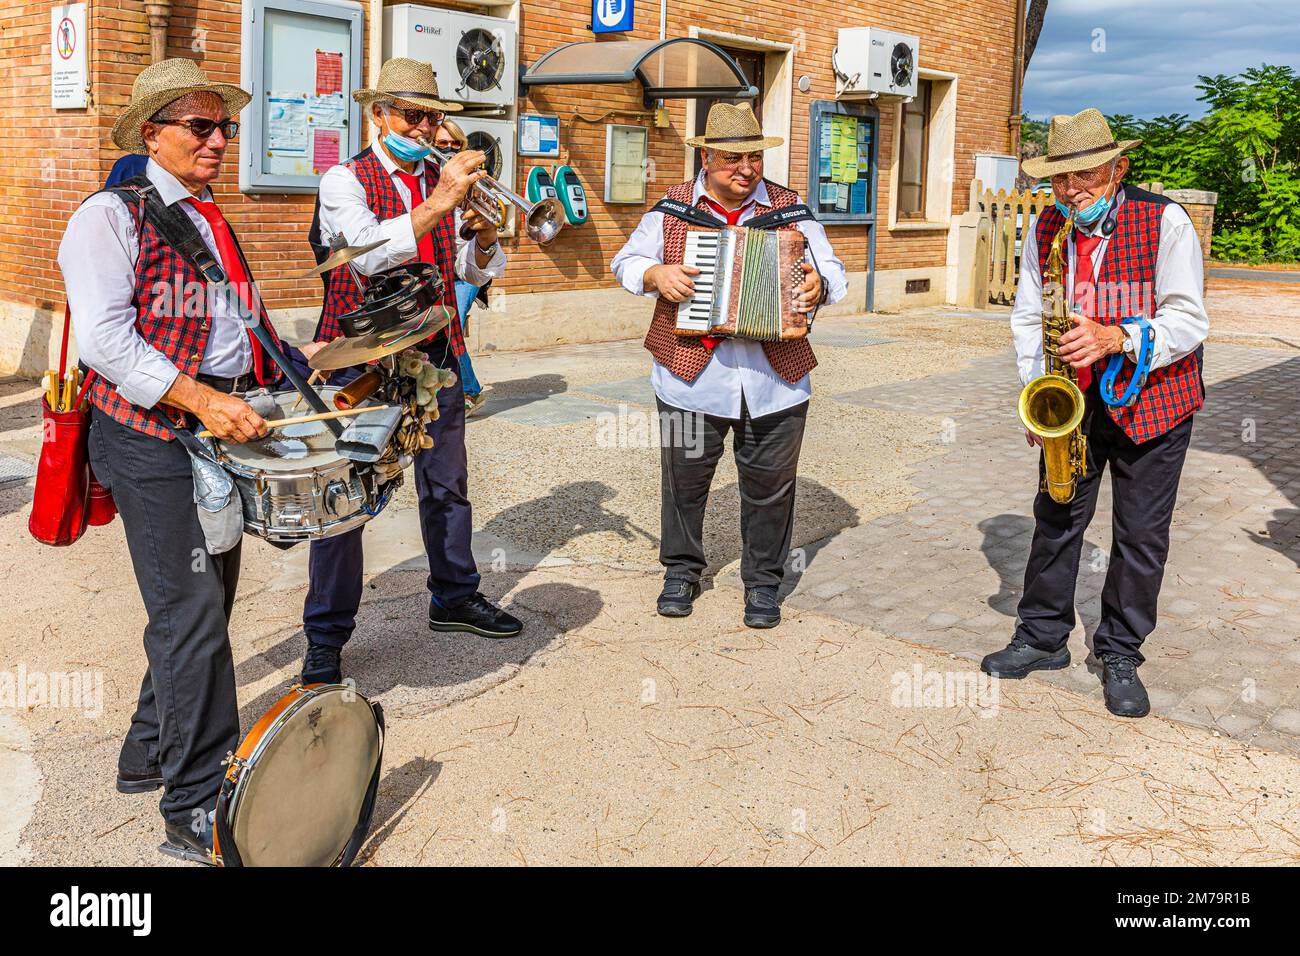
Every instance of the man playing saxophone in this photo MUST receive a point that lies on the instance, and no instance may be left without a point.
(1128, 268)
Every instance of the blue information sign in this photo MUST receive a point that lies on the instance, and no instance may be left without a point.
(611, 16)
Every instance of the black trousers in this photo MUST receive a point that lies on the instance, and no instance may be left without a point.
(187, 718)
(767, 459)
(1144, 487)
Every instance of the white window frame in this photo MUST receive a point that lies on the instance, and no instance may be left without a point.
(940, 156)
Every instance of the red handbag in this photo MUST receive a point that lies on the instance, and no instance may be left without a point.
(67, 496)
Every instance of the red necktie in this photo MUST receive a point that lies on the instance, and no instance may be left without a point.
(732, 216)
(1085, 288)
(236, 274)
(425, 248)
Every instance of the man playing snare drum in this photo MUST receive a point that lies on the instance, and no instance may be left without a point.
(159, 364)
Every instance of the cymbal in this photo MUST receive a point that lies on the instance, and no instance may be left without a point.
(341, 256)
(359, 349)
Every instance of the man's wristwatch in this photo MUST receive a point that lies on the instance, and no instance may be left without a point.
(1127, 345)
(488, 250)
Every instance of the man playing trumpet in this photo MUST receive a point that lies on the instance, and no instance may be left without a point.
(389, 191)
(1134, 283)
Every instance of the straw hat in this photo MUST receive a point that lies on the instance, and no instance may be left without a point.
(733, 129)
(411, 81)
(161, 83)
(1075, 143)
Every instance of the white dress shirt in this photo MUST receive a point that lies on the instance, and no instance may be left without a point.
(343, 209)
(739, 366)
(1180, 321)
(97, 257)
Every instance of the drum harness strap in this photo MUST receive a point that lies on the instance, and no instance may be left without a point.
(226, 839)
(800, 212)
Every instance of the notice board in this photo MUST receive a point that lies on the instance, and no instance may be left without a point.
(301, 61)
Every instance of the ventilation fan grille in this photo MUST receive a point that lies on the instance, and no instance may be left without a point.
(480, 60)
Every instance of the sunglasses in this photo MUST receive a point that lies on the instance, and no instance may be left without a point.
(202, 128)
(414, 117)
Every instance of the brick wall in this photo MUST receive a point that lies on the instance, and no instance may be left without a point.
(51, 162)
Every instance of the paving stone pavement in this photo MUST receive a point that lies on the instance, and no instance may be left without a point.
(948, 572)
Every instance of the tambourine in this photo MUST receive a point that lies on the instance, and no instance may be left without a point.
(300, 790)
(392, 297)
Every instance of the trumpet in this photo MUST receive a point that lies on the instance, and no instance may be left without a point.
(543, 220)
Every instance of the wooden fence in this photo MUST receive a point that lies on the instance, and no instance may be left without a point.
(1003, 228)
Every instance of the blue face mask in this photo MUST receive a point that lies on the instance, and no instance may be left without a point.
(403, 148)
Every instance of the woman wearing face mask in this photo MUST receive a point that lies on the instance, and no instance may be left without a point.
(450, 138)
(1132, 255)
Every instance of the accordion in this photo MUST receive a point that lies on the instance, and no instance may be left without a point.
(748, 284)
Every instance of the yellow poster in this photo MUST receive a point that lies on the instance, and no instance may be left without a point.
(844, 148)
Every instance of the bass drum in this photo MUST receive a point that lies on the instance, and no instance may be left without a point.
(300, 790)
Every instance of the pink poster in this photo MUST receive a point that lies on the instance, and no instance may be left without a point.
(324, 149)
(329, 72)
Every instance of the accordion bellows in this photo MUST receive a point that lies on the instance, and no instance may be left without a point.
(748, 283)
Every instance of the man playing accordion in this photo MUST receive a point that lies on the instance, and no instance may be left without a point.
(710, 386)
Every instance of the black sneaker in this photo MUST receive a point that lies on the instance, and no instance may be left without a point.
(184, 843)
(1122, 688)
(762, 607)
(477, 615)
(128, 782)
(677, 599)
(1019, 658)
(322, 664)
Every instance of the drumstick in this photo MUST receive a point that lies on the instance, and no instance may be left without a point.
(315, 376)
(317, 417)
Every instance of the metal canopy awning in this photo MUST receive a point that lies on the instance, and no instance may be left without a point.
(680, 68)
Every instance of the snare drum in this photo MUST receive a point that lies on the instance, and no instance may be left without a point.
(296, 487)
(300, 790)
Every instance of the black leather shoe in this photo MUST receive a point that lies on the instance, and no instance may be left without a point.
(128, 782)
(322, 664)
(477, 615)
(762, 607)
(1122, 688)
(1019, 658)
(182, 843)
(677, 599)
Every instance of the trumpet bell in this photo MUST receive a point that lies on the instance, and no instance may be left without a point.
(545, 220)
(1051, 406)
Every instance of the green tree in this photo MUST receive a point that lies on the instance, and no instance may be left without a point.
(1247, 149)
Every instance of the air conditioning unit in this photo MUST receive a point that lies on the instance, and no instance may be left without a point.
(872, 62)
(473, 56)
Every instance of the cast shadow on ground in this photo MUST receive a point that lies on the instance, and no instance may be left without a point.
(400, 789)
(820, 515)
(1006, 548)
(1254, 417)
(517, 392)
(393, 646)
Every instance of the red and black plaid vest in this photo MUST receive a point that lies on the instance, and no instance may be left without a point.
(1125, 286)
(685, 355)
(385, 202)
(171, 304)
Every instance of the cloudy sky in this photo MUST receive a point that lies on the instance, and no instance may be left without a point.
(1143, 56)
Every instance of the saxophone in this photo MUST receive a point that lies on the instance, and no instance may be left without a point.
(1051, 405)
